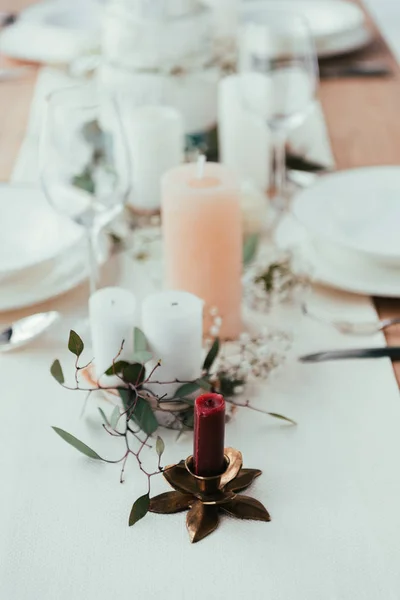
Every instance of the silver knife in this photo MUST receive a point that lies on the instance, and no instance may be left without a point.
(333, 72)
(392, 352)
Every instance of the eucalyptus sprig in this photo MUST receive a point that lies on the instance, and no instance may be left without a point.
(135, 421)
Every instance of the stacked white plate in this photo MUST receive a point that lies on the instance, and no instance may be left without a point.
(53, 31)
(42, 254)
(347, 227)
(337, 26)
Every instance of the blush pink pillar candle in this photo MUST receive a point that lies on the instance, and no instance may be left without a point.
(202, 230)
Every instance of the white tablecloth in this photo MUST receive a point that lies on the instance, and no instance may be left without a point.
(332, 484)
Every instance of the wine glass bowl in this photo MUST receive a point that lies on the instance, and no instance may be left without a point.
(279, 73)
(84, 162)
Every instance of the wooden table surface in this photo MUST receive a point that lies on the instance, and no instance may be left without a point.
(363, 118)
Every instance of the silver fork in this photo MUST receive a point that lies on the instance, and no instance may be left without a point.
(347, 327)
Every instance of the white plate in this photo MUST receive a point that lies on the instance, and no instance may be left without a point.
(54, 32)
(49, 280)
(337, 268)
(344, 43)
(337, 26)
(31, 231)
(357, 209)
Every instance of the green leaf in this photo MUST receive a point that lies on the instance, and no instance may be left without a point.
(144, 416)
(57, 371)
(134, 374)
(188, 418)
(114, 417)
(75, 344)
(117, 367)
(204, 384)
(84, 181)
(211, 356)
(250, 248)
(142, 356)
(283, 418)
(160, 446)
(228, 384)
(186, 390)
(92, 132)
(77, 444)
(139, 340)
(127, 397)
(103, 416)
(139, 509)
(141, 413)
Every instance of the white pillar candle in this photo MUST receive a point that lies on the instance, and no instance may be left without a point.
(225, 18)
(181, 92)
(156, 143)
(172, 322)
(244, 137)
(112, 314)
(256, 209)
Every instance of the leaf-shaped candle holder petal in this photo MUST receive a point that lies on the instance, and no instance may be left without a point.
(206, 497)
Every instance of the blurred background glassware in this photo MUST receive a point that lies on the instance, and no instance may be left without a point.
(279, 73)
(164, 49)
(84, 163)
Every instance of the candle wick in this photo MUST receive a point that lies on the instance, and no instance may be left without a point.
(201, 161)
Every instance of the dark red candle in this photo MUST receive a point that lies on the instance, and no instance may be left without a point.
(209, 435)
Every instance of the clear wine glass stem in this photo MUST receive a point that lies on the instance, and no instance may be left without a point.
(280, 200)
(93, 267)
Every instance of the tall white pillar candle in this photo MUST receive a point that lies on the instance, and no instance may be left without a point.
(156, 143)
(112, 314)
(225, 18)
(244, 137)
(172, 322)
(255, 207)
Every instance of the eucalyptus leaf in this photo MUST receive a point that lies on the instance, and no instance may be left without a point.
(160, 446)
(57, 371)
(186, 389)
(127, 396)
(77, 444)
(142, 356)
(117, 367)
(139, 340)
(283, 418)
(228, 384)
(140, 410)
(144, 416)
(92, 132)
(204, 384)
(114, 417)
(75, 344)
(139, 509)
(84, 181)
(188, 418)
(250, 248)
(134, 374)
(212, 355)
(104, 417)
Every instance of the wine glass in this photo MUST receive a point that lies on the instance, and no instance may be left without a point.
(279, 77)
(84, 162)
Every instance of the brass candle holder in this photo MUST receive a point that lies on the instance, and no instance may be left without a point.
(207, 497)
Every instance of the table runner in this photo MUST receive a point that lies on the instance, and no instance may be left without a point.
(331, 483)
